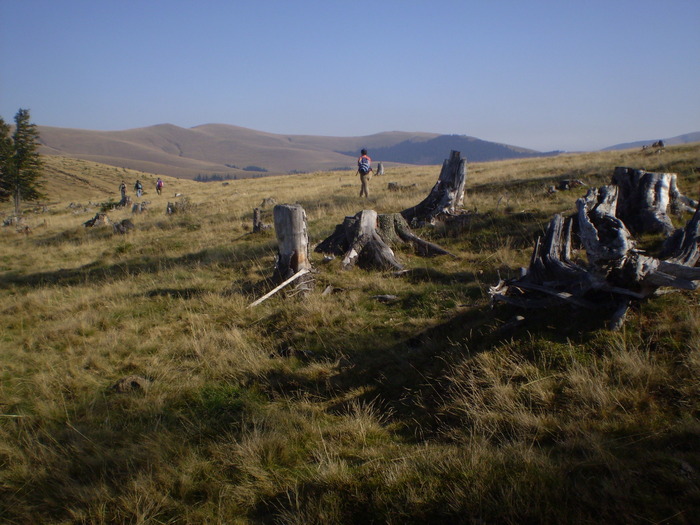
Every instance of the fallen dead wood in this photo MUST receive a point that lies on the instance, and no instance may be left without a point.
(279, 287)
(613, 273)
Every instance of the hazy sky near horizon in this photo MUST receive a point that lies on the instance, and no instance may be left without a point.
(546, 75)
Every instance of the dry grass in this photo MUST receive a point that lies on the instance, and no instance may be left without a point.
(420, 410)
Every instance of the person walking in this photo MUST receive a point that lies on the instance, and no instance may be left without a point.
(159, 186)
(364, 168)
(138, 187)
(122, 190)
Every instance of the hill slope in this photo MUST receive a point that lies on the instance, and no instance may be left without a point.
(138, 386)
(686, 138)
(240, 152)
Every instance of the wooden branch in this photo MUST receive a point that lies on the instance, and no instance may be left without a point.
(564, 296)
(279, 287)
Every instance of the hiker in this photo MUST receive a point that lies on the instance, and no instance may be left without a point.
(122, 189)
(159, 186)
(138, 187)
(364, 168)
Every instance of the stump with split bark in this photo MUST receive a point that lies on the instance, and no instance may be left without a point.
(366, 240)
(293, 245)
(647, 198)
(614, 273)
(446, 196)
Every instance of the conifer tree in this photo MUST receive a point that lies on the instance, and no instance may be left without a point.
(20, 163)
(5, 160)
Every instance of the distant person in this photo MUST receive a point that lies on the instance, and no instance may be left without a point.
(159, 186)
(122, 189)
(138, 188)
(364, 168)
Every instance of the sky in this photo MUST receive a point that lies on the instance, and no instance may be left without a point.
(540, 74)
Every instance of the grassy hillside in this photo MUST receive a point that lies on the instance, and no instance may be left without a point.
(335, 408)
(236, 152)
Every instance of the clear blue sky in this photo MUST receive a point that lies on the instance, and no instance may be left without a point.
(547, 75)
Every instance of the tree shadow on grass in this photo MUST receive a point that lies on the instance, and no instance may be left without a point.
(406, 374)
(97, 272)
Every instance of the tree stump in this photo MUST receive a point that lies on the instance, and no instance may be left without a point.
(258, 224)
(365, 240)
(182, 206)
(293, 244)
(615, 272)
(445, 197)
(140, 207)
(123, 227)
(645, 198)
(100, 219)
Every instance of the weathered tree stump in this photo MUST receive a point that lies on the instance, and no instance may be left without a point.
(367, 246)
(293, 245)
(615, 273)
(100, 219)
(123, 227)
(365, 240)
(445, 197)
(645, 198)
(258, 224)
(359, 242)
(140, 207)
(182, 206)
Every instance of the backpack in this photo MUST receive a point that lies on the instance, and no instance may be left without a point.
(363, 166)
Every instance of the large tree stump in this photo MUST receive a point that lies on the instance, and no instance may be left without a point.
(366, 246)
(366, 238)
(445, 197)
(293, 244)
(645, 199)
(615, 273)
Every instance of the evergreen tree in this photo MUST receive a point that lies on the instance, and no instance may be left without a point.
(5, 160)
(20, 163)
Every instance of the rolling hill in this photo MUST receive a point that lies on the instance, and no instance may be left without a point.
(236, 152)
(686, 138)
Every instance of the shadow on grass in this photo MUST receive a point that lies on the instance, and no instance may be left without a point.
(406, 372)
(97, 272)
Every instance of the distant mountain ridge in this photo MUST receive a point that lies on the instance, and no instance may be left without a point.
(679, 139)
(233, 151)
(435, 150)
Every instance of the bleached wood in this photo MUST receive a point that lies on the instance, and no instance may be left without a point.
(292, 240)
(279, 287)
(446, 195)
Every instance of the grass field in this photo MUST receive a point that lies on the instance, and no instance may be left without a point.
(332, 408)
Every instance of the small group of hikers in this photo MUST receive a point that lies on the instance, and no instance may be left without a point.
(138, 187)
(364, 169)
